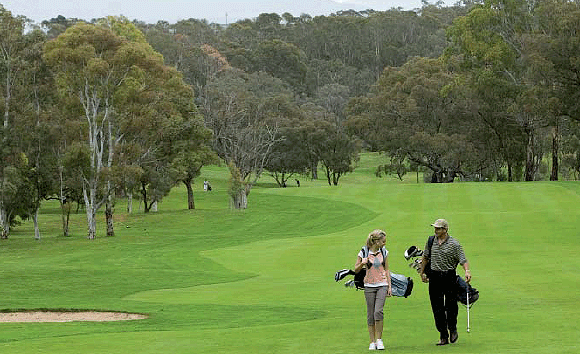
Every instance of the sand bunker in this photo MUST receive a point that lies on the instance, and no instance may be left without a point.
(60, 316)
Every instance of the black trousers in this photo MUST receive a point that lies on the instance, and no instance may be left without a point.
(443, 296)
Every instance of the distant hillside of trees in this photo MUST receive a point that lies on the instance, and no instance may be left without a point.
(106, 108)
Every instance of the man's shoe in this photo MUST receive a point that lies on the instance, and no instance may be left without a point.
(372, 346)
(453, 336)
(380, 345)
(443, 342)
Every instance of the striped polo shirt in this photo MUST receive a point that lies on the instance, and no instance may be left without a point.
(446, 256)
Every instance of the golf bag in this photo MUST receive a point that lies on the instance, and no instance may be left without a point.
(400, 285)
(414, 252)
(463, 288)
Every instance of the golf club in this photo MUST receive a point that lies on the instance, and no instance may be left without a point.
(467, 311)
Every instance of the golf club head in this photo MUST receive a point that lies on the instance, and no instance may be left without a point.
(416, 264)
(413, 251)
(342, 273)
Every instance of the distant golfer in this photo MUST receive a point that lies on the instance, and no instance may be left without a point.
(443, 256)
(377, 282)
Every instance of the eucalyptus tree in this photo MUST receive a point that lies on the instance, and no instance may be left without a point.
(334, 72)
(126, 171)
(338, 152)
(553, 48)
(171, 135)
(189, 46)
(107, 70)
(571, 149)
(268, 26)
(414, 113)
(312, 138)
(334, 99)
(290, 155)
(244, 112)
(495, 42)
(312, 130)
(58, 25)
(20, 110)
(91, 63)
(557, 43)
(179, 144)
(84, 61)
(11, 44)
(38, 109)
(282, 60)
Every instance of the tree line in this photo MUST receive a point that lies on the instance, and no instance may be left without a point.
(108, 107)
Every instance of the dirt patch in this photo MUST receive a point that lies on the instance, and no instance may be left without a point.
(61, 316)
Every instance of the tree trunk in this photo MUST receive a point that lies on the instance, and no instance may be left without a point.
(335, 178)
(65, 215)
(240, 200)
(577, 168)
(91, 224)
(436, 177)
(554, 175)
(110, 204)
(328, 179)
(109, 217)
(190, 200)
(4, 223)
(35, 221)
(8, 93)
(451, 177)
(130, 203)
(65, 206)
(530, 159)
(314, 168)
(91, 212)
(146, 206)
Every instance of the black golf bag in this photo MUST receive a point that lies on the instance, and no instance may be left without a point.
(463, 288)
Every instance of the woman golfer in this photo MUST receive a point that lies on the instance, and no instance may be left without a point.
(377, 283)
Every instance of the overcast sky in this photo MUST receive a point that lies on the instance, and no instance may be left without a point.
(219, 11)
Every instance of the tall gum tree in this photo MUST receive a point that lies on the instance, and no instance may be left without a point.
(84, 61)
(244, 111)
(495, 42)
(96, 65)
(13, 137)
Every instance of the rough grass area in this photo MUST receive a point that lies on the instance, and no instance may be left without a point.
(213, 280)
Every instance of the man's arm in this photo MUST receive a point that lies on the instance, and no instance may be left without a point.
(424, 261)
(467, 272)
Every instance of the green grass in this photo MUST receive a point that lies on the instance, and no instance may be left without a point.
(261, 280)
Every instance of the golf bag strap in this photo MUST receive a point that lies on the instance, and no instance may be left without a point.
(365, 252)
(430, 243)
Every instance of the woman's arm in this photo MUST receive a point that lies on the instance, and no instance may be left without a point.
(360, 263)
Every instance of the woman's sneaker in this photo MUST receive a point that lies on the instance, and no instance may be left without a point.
(372, 346)
(380, 345)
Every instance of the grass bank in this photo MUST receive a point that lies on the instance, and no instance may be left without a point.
(261, 280)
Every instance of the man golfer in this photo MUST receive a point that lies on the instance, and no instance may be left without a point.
(442, 257)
